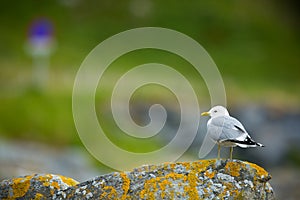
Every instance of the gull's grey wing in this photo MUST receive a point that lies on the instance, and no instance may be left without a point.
(226, 127)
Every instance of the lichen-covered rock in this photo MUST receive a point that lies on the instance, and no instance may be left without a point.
(204, 179)
(38, 186)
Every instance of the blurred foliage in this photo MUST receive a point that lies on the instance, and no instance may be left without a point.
(255, 44)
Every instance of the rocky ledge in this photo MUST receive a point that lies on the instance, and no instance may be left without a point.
(203, 179)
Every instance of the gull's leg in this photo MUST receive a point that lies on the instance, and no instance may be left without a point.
(219, 149)
(231, 150)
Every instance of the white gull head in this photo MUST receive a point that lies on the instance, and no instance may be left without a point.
(216, 111)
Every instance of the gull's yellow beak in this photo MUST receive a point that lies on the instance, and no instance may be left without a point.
(205, 114)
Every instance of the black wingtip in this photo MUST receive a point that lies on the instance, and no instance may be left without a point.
(248, 141)
(261, 145)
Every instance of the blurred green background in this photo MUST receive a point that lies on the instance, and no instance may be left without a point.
(255, 45)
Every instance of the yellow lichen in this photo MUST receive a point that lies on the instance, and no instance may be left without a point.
(202, 165)
(20, 186)
(174, 176)
(150, 188)
(69, 181)
(233, 168)
(186, 189)
(163, 185)
(55, 185)
(210, 174)
(126, 185)
(185, 178)
(45, 179)
(166, 167)
(172, 194)
(109, 192)
(187, 165)
(172, 166)
(259, 171)
(103, 195)
(51, 180)
(229, 187)
(191, 189)
(38, 196)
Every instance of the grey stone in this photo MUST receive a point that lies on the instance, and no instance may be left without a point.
(203, 179)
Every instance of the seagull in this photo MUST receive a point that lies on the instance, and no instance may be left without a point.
(227, 131)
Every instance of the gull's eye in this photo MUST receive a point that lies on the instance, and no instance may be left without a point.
(215, 111)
